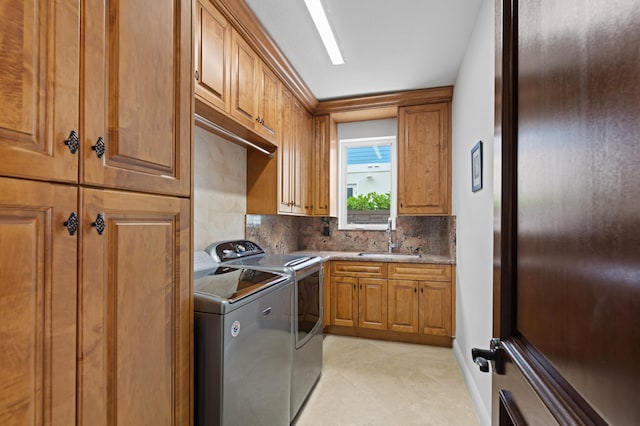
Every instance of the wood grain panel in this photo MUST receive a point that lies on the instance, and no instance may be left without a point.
(37, 303)
(135, 310)
(403, 306)
(138, 95)
(417, 271)
(435, 308)
(212, 56)
(268, 104)
(359, 269)
(424, 157)
(321, 165)
(372, 303)
(344, 301)
(39, 89)
(244, 69)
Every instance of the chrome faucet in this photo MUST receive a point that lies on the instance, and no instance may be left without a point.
(390, 243)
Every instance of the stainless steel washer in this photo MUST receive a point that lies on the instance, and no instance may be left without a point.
(242, 339)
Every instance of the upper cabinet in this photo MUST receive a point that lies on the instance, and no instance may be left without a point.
(254, 90)
(212, 56)
(39, 90)
(320, 165)
(424, 159)
(137, 95)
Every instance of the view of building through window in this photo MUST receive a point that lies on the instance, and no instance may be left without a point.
(367, 174)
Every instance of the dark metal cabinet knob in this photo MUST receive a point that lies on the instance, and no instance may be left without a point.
(100, 147)
(72, 223)
(197, 75)
(73, 142)
(99, 223)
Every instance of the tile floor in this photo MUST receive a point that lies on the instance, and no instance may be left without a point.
(372, 382)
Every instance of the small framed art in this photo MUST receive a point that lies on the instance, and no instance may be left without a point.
(476, 167)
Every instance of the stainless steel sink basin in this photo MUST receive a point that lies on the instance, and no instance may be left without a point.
(381, 255)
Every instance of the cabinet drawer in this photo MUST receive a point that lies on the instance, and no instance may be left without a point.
(359, 269)
(421, 272)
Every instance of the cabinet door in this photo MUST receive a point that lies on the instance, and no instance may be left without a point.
(39, 89)
(212, 56)
(344, 301)
(372, 298)
(286, 154)
(245, 65)
(135, 310)
(268, 104)
(38, 280)
(435, 308)
(424, 159)
(403, 306)
(320, 165)
(137, 95)
(298, 179)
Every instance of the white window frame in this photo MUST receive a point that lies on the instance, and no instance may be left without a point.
(342, 176)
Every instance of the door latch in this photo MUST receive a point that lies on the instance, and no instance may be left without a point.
(495, 356)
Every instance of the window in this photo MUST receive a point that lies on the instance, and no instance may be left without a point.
(367, 176)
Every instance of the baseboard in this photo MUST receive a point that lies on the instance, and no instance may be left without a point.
(476, 399)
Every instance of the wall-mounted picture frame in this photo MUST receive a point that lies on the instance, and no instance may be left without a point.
(476, 167)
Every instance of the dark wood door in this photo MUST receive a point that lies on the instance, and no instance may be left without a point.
(567, 278)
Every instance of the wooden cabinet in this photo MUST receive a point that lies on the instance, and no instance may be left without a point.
(254, 90)
(98, 326)
(212, 56)
(39, 89)
(137, 95)
(320, 165)
(424, 159)
(359, 295)
(421, 300)
(281, 184)
(38, 283)
(410, 302)
(134, 309)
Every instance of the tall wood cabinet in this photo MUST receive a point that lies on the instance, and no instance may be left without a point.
(95, 285)
(424, 159)
(320, 165)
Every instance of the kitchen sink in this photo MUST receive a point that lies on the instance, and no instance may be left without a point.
(385, 255)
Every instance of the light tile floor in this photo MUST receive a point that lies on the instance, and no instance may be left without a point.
(372, 382)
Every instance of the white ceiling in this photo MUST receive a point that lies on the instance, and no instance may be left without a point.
(388, 45)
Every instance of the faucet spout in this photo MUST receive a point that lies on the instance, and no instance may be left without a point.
(390, 244)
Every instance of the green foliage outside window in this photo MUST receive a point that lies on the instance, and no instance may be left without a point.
(370, 201)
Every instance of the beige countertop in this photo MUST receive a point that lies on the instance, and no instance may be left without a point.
(379, 257)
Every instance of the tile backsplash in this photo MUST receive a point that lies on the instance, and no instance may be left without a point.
(280, 234)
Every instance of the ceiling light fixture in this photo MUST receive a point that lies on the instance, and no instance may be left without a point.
(324, 29)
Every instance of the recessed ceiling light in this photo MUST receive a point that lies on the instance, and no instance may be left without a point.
(324, 29)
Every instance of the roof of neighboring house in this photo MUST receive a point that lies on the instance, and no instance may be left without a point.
(369, 155)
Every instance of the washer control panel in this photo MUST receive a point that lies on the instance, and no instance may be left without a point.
(228, 250)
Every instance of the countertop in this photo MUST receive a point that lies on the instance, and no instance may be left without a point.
(380, 257)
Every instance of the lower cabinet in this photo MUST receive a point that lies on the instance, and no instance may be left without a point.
(359, 302)
(396, 301)
(95, 306)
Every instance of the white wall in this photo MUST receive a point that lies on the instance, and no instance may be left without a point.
(473, 120)
(220, 187)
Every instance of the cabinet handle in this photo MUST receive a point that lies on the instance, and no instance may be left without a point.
(422, 290)
(99, 224)
(354, 286)
(100, 147)
(72, 223)
(415, 290)
(401, 205)
(258, 119)
(73, 142)
(197, 75)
